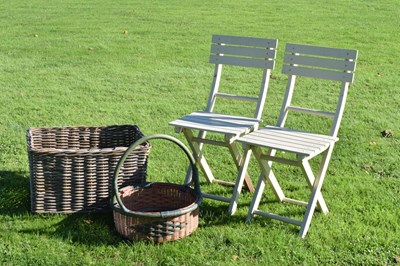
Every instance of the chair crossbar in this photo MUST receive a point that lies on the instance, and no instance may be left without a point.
(278, 217)
(236, 97)
(267, 158)
(321, 51)
(310, 111)
(295, 201)
(216, 197)
(209, 141)
(224, 183)
(247, 41)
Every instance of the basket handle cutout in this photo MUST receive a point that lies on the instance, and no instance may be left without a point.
(119, 206)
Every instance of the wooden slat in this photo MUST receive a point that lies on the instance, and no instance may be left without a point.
(300, 134)
(289, 141)
(321, 51)
(236, 97)
(243, 51)
(248, 41)
(216, 123)
(283, 145)
(310, 111)
(320, 62)
(245, 62)
(318, 73)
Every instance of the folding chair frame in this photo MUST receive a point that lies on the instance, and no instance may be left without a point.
(299, 61)
(237, 51)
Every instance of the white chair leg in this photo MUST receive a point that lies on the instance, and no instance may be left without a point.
(238, 159)
(316, 192)
(321, 205)
(256, 198)
(240, 180)
(202, 163)
(266, 169)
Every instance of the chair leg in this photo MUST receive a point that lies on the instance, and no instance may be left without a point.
(266, 169)
(200, 159)
(321, 205)
(238, 159)
(244, 163)
(316, 192)
(256, 198)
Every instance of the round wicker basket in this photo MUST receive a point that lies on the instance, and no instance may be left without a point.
(155, 211)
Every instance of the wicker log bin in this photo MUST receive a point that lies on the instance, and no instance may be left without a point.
(154, 211)
(71, 168)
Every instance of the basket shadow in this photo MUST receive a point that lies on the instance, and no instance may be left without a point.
(14, 191)
(95, 228)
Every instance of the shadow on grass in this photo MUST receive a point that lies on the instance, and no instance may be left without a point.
(94, 228)
(14, 193)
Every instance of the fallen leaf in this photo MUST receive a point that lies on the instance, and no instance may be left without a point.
(367, 166)
(387, 133)
(88, 221)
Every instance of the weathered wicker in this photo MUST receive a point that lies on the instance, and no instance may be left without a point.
(71, 168)
(157, 212)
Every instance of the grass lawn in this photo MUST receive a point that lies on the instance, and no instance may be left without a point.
(70, 63)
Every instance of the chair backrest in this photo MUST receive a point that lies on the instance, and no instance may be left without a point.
(322, 63)
(243, 52)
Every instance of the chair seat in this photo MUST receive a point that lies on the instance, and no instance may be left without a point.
(289, 140)
(218, 123)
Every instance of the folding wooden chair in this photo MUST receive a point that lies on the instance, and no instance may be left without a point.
(239, 52)
(275, 143)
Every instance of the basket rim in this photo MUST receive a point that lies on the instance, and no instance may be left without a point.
(83, 151)
(81, 126)
(163, 214)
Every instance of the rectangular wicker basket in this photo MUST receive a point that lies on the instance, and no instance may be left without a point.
(71, 168)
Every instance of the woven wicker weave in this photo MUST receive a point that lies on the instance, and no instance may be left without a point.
(157, 212)
(71, 168)
(155, 198)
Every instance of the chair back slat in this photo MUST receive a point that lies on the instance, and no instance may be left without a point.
(317, 73)
(322, 63)
(246, 41)
(244, 62)
(321, 51)
(243, 52)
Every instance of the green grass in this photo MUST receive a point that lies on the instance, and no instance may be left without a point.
(70, 63)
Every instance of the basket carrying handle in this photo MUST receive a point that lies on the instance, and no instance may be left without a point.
(119, 206)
